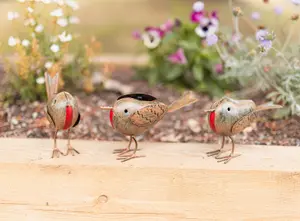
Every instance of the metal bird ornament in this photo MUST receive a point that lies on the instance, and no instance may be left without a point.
(62, 112)
(134, 114)
(228, 117)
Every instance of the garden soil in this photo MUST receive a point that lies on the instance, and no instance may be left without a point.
(186, 125)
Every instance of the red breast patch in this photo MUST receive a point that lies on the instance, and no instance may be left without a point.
(211, 119)
(111, 117)
(69, 117)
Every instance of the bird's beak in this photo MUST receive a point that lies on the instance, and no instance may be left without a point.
(209, 110)
(105, 108)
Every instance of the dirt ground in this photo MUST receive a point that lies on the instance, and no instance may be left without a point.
(186, 125)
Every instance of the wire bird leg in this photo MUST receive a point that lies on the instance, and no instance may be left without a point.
(216, 152)
(124, 158)
(71, 150)
(123, 150)
(226, 159)
(56, 152)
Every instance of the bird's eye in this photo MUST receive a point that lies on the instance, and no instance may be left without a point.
(228, 108)
(125, 111)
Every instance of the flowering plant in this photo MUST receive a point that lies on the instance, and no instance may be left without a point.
(263, 62)
(182, 54)
(43, 46)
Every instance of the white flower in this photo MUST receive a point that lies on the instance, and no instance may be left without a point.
(25, 43)
(30, 21)
(207, 27)
(29, 9)
(55, 48)
(63, 22)
(46, 1)
(151, 39)
(48, 64)
(57, 13)
(74, 20)
(12, 41)
(12, 15)
(64, 37)
(198, 6)
(40, 80)
(72, 4)
(39, 28)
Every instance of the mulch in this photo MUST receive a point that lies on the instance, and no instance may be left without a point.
(186, 125)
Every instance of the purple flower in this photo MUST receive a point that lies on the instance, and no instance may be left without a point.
(255, 15)
(264, 38)
(218, 68)
(208, 26)
(211, 39)
(178, 57)
(278, 10)
(136, 35)
(196, 16)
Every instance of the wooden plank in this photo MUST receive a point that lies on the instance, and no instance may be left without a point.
(174, 182)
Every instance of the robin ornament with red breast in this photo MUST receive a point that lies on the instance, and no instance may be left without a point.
(228, 117)
(62, 113)
(134, 114)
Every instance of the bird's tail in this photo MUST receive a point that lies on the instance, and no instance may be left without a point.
(186, 99)
(267, 107)
(51, 84)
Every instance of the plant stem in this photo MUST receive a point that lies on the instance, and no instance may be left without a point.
(220, 52)
(287, 40)
(237, 31)
(284, 58)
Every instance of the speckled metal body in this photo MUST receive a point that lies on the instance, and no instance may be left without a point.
(228, 117)
(229, 112)
(56, 110)
(134, 117)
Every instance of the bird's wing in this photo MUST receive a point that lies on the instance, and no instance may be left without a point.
(148, 115)
(244, 122)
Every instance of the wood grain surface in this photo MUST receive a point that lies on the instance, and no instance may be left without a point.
(174, 182)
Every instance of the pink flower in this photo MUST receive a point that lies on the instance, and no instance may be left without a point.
(196, 16)
(178, 57)
(218, 68)
(160, 32)
(167, 26)
(136, 35)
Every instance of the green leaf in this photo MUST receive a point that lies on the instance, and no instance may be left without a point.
(152, 77)
(198, 72)
(188, 45)
(174, 73)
